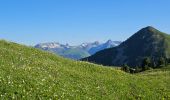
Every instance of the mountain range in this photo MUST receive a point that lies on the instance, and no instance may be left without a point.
(76, 52)
(147, 42)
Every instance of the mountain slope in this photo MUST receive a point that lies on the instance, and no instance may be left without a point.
(28, 73)
(108, 44)
(66, 51)
(148, 42)
(76, 52)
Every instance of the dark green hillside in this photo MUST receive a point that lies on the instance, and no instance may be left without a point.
(30, 74)
(148, 42)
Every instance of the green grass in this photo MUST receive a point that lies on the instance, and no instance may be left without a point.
(28, 73)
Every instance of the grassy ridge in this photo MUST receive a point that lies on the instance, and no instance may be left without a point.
(27, 73)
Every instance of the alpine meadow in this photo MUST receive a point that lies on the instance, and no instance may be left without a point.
(28, 73)
(84, 50)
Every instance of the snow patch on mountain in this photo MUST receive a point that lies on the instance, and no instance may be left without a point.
(86, 48)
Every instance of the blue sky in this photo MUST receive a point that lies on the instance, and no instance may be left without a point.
(76, 21)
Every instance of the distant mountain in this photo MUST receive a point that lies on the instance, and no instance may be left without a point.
(76, 52)
(102, 46)
(148, 42)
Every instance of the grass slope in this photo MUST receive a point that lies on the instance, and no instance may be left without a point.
(27, 73)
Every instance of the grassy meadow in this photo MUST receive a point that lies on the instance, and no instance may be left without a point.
(29, 74)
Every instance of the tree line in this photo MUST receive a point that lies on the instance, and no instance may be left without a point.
(147, 64)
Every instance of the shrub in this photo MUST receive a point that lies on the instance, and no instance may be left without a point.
(161, 62)
(126, 68)
(146, 63)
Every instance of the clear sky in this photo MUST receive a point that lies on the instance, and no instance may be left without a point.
(75, 21)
